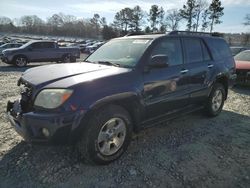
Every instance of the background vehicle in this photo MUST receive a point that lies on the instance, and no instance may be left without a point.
(9, 45)
(40, 51)
(236, 50)
(242, 61)
(127, 84)
(90, 49)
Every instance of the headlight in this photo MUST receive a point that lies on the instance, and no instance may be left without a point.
(52, 98)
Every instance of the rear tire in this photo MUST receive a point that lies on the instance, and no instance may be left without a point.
(106, 136)
(73, 59)
(215, 100)
(66, 58)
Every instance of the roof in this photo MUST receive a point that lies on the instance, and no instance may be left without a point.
(172, 33)
(150, 36)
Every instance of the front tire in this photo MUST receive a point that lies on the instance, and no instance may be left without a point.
(106, 136)
(215, 100)
(20, 61)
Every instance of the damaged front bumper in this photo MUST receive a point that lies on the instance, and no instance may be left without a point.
(42, 126)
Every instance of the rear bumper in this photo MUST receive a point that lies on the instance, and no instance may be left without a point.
(243, 77)
(30, 126)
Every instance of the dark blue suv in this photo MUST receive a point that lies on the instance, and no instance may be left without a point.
(127, 84)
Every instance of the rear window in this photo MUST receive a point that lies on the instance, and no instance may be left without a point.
(193, 50)
(219, 48)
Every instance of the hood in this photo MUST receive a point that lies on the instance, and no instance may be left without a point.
(242, 65)
(11, 50)
(55, 73)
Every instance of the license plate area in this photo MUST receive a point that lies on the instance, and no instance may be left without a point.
(14, 108)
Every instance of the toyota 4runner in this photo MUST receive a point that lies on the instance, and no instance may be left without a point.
(127, 84)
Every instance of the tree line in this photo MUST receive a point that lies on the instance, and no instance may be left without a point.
(199, 15)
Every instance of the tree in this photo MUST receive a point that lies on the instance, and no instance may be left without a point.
(137, 18)
(201, 7)
(215, 12)
(173, 19)
(32, 23)
(205, 21)
(247, 19)
(156, 15)
(103, 21)
(108, 32)
(123, 19)
(95, 22)
(189, 12)
(6, 25)
(5, 20)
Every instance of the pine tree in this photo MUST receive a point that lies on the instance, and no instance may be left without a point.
(215, 12)
(189, 12)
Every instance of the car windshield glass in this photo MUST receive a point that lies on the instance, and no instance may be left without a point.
(27, 44)
(243, 56)
(124, 52)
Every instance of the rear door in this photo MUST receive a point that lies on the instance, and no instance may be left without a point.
(199, 64)
(165, 89)
(50, 52)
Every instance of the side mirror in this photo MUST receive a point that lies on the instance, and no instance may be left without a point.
(159, 61)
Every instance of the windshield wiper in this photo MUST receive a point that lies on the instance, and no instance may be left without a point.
(109, 63)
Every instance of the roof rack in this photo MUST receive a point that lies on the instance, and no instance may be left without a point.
(142, 33)
(215, 34)
(134, 33)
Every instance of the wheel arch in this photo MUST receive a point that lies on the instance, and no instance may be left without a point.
(129, 101)
(20, 55)
(223, 79)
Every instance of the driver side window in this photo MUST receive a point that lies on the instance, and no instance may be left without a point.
(170, 47)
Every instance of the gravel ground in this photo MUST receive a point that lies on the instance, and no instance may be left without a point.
(192, 151)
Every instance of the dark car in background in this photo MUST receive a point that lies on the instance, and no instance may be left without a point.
(90, 49)
(235, 50)
(127, 84)
(40, 51)
(242, 61)
(8, 46)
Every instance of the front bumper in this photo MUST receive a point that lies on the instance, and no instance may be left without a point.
(6, 59)
(60, 126)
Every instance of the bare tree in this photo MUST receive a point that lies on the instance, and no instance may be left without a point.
(5, 20)
(205, 21)
(173, 19)
(201, 6)
(247, 19)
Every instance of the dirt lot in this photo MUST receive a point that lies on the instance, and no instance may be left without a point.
(193, 151)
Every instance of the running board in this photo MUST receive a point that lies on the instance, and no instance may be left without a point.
(169, 116)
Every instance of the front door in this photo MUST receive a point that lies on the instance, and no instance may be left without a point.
(165, 89)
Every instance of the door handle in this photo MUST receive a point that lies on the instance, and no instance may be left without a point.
(210, 66)
(184, 71)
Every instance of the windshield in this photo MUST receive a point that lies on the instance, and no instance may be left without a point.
(27, 44)
(243, 56)
(123, 52)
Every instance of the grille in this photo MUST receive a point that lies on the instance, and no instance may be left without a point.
(26, 95)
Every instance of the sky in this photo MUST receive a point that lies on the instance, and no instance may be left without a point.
(234, 10)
